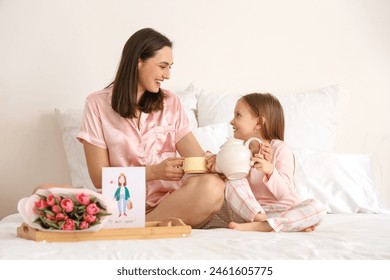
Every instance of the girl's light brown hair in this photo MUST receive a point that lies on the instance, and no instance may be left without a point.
(267, 106)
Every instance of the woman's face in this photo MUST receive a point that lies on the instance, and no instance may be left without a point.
(244, 122)
(153, 71)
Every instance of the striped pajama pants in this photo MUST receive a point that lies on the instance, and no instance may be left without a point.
(243, 206)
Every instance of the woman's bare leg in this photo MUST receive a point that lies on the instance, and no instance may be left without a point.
(196, 202)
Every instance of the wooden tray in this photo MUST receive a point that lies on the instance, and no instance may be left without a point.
(170, 228)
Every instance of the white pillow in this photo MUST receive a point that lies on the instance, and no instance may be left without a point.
(343, 183)
(216, 107)
(70, 121)
(311, 117)
(211, 137)
(189, 101)
(188, 97)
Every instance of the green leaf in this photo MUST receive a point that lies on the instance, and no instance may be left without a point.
(56, 201)
(52, 224)
(103, 213)
(60, 224)
(41, 196)
(43, 222)
(47, 211)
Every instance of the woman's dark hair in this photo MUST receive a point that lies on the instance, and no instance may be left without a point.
(143, 45)
(267, 106)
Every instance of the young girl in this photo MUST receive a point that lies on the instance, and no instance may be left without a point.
(266, 200)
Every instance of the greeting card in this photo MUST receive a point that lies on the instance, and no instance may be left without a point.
(125, 186)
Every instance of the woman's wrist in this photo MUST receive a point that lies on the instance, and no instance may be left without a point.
(149, 174)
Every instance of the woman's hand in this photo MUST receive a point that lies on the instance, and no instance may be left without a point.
(170, 169)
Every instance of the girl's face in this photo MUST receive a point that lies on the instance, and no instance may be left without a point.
(121, 179)
(153, 71)
(244, 122)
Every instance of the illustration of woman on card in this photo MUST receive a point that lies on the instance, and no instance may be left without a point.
(122, 194)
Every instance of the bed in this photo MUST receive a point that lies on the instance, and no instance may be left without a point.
(340, 237)
(356, 227)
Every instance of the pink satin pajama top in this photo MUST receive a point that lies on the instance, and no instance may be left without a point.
(127, 145)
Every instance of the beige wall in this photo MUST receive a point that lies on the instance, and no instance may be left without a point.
(54, 53)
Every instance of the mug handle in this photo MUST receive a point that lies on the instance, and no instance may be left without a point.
(247, 143)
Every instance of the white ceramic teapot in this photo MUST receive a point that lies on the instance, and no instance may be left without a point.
(234, 158)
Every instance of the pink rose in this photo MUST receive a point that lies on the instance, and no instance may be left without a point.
(50, 217)
(56, 209)
(60, 217)
(89, 218)
(40, 204)
(51, 201)
(67, 205)
(92, 209)
(84, 225)
(68, 225)
(83, 198)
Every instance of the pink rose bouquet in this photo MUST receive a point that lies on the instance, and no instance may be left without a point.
(64, 209)
(76, 212)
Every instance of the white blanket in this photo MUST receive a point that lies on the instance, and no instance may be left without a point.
(340, 236)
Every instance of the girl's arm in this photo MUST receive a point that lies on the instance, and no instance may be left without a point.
(281, 181)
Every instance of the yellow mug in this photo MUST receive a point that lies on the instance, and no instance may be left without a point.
(195, 165)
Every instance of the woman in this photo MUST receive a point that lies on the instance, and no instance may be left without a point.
(133, 122)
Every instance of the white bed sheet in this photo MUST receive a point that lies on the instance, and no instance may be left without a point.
(340, 236)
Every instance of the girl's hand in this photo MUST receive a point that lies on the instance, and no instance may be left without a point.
(170, 169)
(266, 151)
(255, 147)
(260, 163)
(211, 161)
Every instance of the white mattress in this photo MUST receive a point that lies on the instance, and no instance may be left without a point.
(340, 236)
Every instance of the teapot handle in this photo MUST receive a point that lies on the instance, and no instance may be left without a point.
(247, 143)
